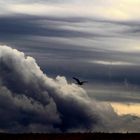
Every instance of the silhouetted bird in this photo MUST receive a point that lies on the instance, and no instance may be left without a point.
(79, 82)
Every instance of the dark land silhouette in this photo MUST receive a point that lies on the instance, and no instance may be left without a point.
(71, 136)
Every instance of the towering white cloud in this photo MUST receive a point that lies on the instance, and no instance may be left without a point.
(30, 101)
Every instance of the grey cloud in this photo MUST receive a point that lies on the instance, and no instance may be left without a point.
(66, 51)
(33, 102)
(19, 110)
(32, 26)
(128, 28)
(35, 91)
(111, 92)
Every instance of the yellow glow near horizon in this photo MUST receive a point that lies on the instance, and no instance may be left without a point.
(124, 109)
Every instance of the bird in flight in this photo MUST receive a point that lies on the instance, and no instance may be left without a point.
(79, 82)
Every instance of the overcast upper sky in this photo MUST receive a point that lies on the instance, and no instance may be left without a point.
(116, 9)
(99, 38)
(94, 40)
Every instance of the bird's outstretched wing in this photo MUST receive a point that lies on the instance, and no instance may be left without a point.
(77, 80)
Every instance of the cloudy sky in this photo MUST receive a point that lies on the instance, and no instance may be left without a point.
(94, 40)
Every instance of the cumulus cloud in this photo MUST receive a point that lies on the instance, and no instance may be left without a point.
(30, 101)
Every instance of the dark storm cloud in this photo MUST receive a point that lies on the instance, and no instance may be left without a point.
(23, 25)
(32, 102)
(63, 54)
(70, 46)
(13, 26)
(37, 99)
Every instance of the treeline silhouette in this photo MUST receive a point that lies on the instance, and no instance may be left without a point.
(71, 136)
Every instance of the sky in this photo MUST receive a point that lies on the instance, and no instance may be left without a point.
(94, 40)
